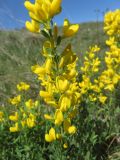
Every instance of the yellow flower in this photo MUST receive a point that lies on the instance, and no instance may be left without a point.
(68, 128)
(111, 41)
(51, 103)
(72, 130)
(45, 94)
(39, 70)
(55, 7)
(48, 65)
(115, 79)
(31, 121)
(14, 128)
(33, 26)
(58, 117)
(110, 87)
(23, 123)
(43, 11)
(71, 74)
(48, 117)
(94, 49)
(102, 98)
(51, 136)
(30, 104)
(65, 102)
(16, 100)
(65, 145)
(14, 117)
(111, 22)
(92, 97)
(22, 86)
(62, 84)
(69, 29)
(29, 6)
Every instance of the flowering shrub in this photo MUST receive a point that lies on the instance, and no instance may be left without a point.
(74, 106)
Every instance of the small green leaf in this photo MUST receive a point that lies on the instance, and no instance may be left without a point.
(45, 33)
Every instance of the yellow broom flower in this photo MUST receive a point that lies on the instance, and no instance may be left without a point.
(58, 117)
(69, 29)
(55, 7)
(62, 84)
(22, 86)
(51, 136)
(14, 117)
(33, 26)
(14, 128)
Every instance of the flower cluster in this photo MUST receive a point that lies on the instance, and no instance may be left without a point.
(89, 82)
(25, 114)
(111, 76)
(60, 88)
(112, 20)
(41, 12)
(24, 117)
